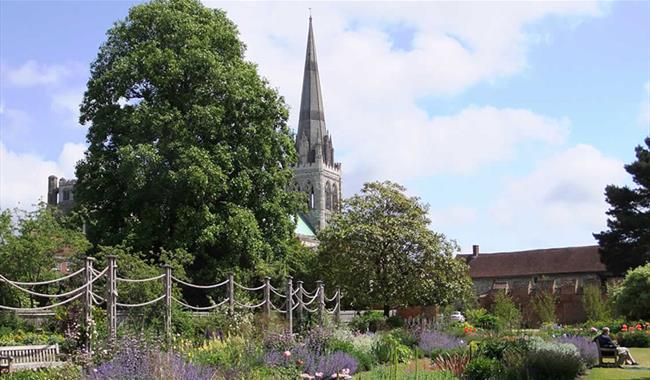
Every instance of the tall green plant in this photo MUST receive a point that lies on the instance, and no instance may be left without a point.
(596, 308)
(544, 303)
(505, 309)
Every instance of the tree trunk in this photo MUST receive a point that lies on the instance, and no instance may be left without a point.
(386, 311)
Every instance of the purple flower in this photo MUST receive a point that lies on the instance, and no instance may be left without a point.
(587, 348)
(430, 340)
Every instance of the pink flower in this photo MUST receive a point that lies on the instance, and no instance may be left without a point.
(319, 374)
(307, 376)
(286, 354)
(594, 330)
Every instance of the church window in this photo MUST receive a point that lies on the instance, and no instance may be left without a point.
(328, 196)
(335, 198)
(66, 195)
(312, 199)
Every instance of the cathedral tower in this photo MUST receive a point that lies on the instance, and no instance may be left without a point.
(316, 174)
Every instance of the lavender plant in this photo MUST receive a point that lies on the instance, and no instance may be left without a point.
(586, 348)
(434, 340)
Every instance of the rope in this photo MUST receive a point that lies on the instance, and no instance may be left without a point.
(62, 295)
(295, 307)
(140, 280)
(278, 294)
(200, 308)
(310, 302)
(250, 289)
(310, 310)
(295, 292)
(42, 307)
(281, 310)
(199, 286)
(250, 306)
(95, 297)
(333, 297)
(308, 294)
(3, 278)
(140, 304)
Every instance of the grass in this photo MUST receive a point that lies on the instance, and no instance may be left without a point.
(420, 370)
(640, 372)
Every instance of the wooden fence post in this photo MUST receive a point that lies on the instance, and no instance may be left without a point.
(111, 298)
(88, 305)
(301, 302)
(337, 310)
(231, 293)
(168, 301)
(290, 304)
(267, 299)
(321, 302)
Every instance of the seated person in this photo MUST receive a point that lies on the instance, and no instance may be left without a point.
(605, 341)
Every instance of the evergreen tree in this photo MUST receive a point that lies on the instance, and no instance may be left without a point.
(627, 243)
(189, 148)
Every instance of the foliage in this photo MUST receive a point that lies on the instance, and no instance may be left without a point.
(632, 297)
(405, 372)
(436, 340)
(189, 147)
(386, 232)
(489, 322)
(453, 363)
(395, 321)
(368, 321)
(505, 309)
(595, 306)
(586, 348)
(66, 372)
(482, 368)
(553, 361)
(22, 338)
(30, 242)
(365, 360)
(544, 303)
(389, 349)
(229, 352)
(634, 338)
(626, 244)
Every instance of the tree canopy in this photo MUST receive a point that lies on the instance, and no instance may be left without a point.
(380, 250)
(31, 245)
(188, 146)
(626, 244)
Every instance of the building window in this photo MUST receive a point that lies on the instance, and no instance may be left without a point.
(66, 195)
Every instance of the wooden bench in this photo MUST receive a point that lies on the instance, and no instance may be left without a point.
(606, 353)
(29, 357)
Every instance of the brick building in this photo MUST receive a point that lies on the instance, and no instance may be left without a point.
(563, 272)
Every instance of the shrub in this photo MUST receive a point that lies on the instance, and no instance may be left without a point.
(482, 368)
(506, 310)
(66, 372)
(369, 321)
(365, 360)
(389, 349)
(634, 338)
(435, 340)
(549, 360)
(489, 322)
(452, 363)
(395, 321)
(632, 298)
(586, 348)
(595, 307)
(405, 337)
(544, 306)
(473, 315)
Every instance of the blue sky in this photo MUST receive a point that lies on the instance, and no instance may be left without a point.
(507, 118)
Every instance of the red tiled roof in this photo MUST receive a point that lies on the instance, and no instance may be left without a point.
(535, 262)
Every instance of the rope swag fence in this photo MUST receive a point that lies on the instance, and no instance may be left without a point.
(289, 301)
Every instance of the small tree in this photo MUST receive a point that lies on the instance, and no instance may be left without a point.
(544, 303)
(380, 250)
(596, 308)
(505, 309)
(632, 298)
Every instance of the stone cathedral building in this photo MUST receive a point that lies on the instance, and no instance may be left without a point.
(317, 173)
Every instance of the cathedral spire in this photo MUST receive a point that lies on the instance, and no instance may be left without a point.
(311, 122)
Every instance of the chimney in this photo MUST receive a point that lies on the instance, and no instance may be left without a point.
(52, 190)
(475, 250)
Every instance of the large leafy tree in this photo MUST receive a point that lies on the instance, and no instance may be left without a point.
(627, 243)
(381, 252)
(188, 147)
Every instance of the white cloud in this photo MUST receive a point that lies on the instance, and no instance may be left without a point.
(561, 200)
(33, 73)
(644, 109)
(452, 216)
(23, 176)
(67, 103)
(371, 90)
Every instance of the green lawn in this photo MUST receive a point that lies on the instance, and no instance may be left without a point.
(640, 372)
